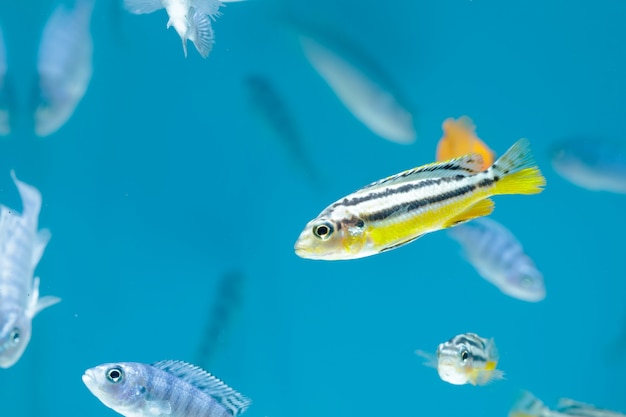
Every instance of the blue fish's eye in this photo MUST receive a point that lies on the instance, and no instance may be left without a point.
(464, 355)
(15, 336)
(115, 375)
(323, 230)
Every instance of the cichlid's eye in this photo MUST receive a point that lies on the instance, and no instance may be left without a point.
(323, 230)
(115, 375)
(464, 355)
(15, 336)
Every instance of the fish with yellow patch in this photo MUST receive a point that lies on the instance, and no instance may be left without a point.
(459, 138)
(465, 359)
(399, 209)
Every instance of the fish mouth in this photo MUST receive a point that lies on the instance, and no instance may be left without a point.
(89, 379)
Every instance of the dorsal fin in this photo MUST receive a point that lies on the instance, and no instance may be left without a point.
(464, 166)
(204, 381)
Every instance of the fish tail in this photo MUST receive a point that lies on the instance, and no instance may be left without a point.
(516, 172)
(527, 405)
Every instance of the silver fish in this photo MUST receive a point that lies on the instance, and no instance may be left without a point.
(527, 405)
(165, 388)
(190, 19)
(21, 248)
(465, 359)
(591, 163)
(5, 117)
(64, 65)
(359, 83)
(500, 259)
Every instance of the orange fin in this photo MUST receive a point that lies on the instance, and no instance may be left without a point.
(482, 208)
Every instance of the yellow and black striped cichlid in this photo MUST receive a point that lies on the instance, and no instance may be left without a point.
(399, 209)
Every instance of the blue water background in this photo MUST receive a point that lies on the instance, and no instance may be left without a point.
(163, 181)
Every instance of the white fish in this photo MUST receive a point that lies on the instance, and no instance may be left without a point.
(527, 405)
(360, 85)
(21, 248)
(190, 19)
(64, 65)
(5, 121)
(165, 388)
(500, 259)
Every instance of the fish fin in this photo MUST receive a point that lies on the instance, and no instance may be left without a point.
(37, 304)
(492, 351)
(431, 360)
(142, 6)
(516, 171)
(31, 197)
(464, 166)
(204, 381)
(573, 407)
(208, 7)
(158, 408)
(527, 405)
(488, 375)
(41, 240)
(202, 33)
(481, 208)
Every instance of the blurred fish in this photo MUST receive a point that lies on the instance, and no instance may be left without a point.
(165, 388)
(499, 258)
(594, 164)
(527, 405)
(226, 304)
(64, 65)
(190, 19)
(271, 107)
(465, 359)
(21, 248)
(360, 84)
(399, 209)
(459, 138)
(5, 120)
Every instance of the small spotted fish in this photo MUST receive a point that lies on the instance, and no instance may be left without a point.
(465, 359)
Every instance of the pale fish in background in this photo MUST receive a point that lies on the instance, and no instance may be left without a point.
(190, 19)
(21, 248)
(360, 84)
(459, 138)
(527, 405)
(591, 163)
(64, 65)
(166, 388)
(5, 116)
(399, 209)
(465, 359)
(271, 107)
(500, 259)
(226, 305)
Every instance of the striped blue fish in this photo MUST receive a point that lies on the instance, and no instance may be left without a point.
(165, 388)
(499, 258)
(21, 248)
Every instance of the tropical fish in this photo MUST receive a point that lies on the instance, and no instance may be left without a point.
(190, 19)
(226, 304)
(21, 248)
(5, 116)
(360, 84)
(499, 258)
(165, 388)
(64, 65)
(268, 103)
(527, 405)
(465, 359)
(591, 163)
(399, 209)
(459, 138)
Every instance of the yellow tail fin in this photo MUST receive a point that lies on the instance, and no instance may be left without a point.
(515, 172)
